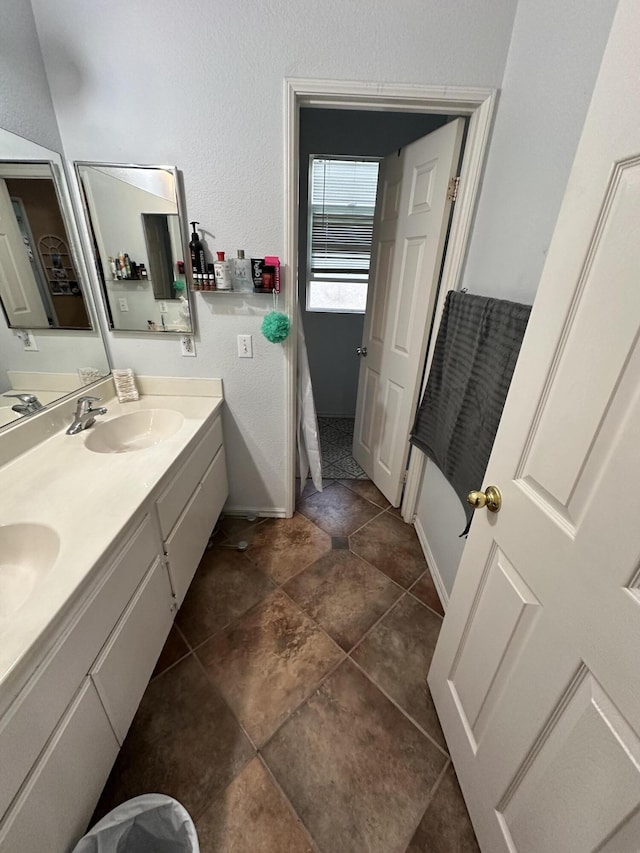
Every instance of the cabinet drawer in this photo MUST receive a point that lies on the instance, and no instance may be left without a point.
(28, 723)
(54, 807)
(173, 499)
(124, 667)
(189, 538)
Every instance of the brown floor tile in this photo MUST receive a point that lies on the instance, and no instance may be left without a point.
(445, 826)
(397, 655)
(344, 595)
(338, 510)
(367, 490)
(184, 742)
(174, 649)
(226, 585)
(391, 546)
(355, 769)
(267, 662)
(282, 547)
(251, 815)
(425, 590)
(396, 510)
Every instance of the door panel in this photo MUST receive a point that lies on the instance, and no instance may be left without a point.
(409, 231)
(535, 675)
(18, 287)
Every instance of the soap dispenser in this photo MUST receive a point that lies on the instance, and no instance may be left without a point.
(196, 246)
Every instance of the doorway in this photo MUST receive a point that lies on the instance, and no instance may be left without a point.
(339, 156)
(423, 108)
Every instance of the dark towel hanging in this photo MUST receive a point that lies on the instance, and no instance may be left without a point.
(473, 361)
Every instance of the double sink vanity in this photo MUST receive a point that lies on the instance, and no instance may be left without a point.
(101, 534)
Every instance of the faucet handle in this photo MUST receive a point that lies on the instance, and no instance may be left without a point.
(25, 398)
(89, 399)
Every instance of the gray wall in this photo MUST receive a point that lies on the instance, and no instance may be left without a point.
(200, 84)
(26, 107)
(551, 68)
(332, 338)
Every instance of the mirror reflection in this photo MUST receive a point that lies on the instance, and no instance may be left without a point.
(139, 239)
(39, 282)
(50, 345)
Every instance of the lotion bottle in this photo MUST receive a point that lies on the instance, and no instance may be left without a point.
(222, 271)
(241, 270)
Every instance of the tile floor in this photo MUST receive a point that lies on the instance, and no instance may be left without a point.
(289, 710)
(336, 441)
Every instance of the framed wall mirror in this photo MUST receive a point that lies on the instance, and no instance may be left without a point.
(137, 226)
(40, 286)
(50, 343)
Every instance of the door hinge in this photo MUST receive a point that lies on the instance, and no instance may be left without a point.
(452, 189)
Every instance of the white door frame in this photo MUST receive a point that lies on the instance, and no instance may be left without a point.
(479, 105)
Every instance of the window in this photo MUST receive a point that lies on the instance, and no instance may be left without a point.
(341, 207)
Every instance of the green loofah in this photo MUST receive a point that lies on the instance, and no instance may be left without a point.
(275, 327)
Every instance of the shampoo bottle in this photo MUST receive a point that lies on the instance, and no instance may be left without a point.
(222, 271)
(241, 270)
(197, 251)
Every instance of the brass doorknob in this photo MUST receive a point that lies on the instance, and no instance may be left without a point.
(491, 498)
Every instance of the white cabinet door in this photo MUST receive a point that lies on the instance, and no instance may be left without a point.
(53, 808)
(189, 537)
(126, 663)
(409, 231)
(536, 676)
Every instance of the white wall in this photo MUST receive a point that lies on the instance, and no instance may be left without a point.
(199, 84)
(332, 338)
(552, 65)
(25, 100)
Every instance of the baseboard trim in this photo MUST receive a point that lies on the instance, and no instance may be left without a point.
(262, 511)
(431, 564)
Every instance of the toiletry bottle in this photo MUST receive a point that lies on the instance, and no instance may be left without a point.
(211, 277)
(257, 266)
(112, 266)
(241, 269)
(222, 271)
(127, 265)
(123, 265)
(197, 251)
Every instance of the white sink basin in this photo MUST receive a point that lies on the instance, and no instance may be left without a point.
(135, 431)
(27, 554)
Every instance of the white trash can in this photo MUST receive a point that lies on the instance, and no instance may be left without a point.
(151, 823)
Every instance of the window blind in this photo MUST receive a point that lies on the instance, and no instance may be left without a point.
(343, 200)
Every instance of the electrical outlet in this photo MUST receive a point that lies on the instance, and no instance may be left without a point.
(245, 346)
(124, 305)
(162, 307)
(28, 341)
(187, 345)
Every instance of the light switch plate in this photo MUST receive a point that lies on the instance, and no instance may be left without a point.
(188, 345)
(28, 340)
(124, 305)
(162, 307)
(245, 346)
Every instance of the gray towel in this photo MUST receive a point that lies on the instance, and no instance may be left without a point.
(475, 354)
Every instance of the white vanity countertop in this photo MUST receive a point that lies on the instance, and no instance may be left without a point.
(88, 499)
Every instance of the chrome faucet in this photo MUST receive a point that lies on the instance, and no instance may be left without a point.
(28, 404)
(85, 415)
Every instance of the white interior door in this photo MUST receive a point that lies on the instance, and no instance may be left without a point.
(18, 286)
(536, 676)
(409, 231)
